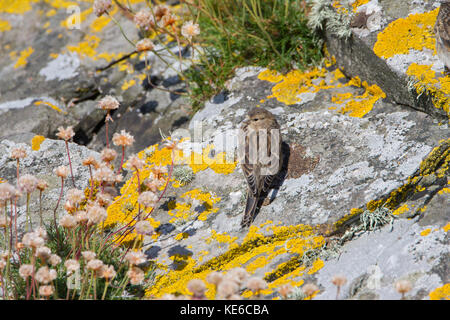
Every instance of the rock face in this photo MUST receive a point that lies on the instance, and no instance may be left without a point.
(48, 74)
(393, 46)
(363, 194)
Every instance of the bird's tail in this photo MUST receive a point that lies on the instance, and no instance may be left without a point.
(250, 209)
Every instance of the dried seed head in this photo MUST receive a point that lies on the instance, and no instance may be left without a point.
(45, 275)
(108, 154)
(135, 257)
(144, 19)
(75, 196)
(62, 172)
(144, 228)
(214, 278)
(7, 191)
(309, 289)
(403, 286)
(46, 291)
(339, 280)
(190, 29)
(256, 284)
(18, 153)
(136, 275)
(108, 103)
(148, 199)
(27, 183)
(145, 45)
(26, 270)
(68, 222)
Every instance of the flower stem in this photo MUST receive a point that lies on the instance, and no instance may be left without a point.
(70, 163)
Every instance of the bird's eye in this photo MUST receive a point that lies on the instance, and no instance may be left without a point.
(256, 119)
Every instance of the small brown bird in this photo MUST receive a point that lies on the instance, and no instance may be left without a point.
(260, 157)
(442, 29)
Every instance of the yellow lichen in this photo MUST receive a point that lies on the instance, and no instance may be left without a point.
(22, 59)
(400, 210)
(425, 232)
(441, 293)
(36, 142)
(51, 105)
(4, 25)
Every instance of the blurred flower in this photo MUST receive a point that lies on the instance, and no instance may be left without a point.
(104, 174)
(90, 161)
(7, 191)
(68, 222)
(42, 185)
(72, 266)
(160, 11)
(144, 19)
(145, 45)
(18, 153)
(94, 265)
(108, 272)
(32, 240)
(135, 163)
(148, 199)
(4, 221)
(168, 20)
(198, 288)
(101, 6)
(402, 287)
(104, 199)
(256, 284)
(75, 196)
(144, 227)
(108, 103)
(190, 29)
(136, 275)
(65, 134)
(54, 260)
(309, 289)
(227, 288)
(96, 214)
(62, 172)
(46, 290)
(25, 271)
(88, 255)
(285, 290)
(122, 139)
(45, 275)
(27, 183)
(43, 253)
(214, 278)
(135, 257)
(239, 275)
(81, 216)
(339, 280)
(108, 154)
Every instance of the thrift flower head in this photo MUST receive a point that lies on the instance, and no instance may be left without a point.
(96, 214)
(18, 153)
(75, 196)
(144, 19)
(136, 275)
(68, 222)
(135, 257)
(42, 185)
(256, 284)
(72, 266)
(4, 221)
(145, 45)
(46, 291)
(309, 289)
(27, 183)
(45, 275)
(43, 253)
(81, 216)
(88, 255)
(108, 154)
(403, 286)
(339, 280)
(144, 227)
(7, 191)
(239, 275)
(227, 288)
(122, 139)
(197, 287)
(161, 11)
(168, 20)
(62, 172)
(54, 260)
(65, 134)
(104, 174)
(285, 290)
(135, 163)
(108, 272)
(26, 270)
(148, 199)
(214, 278)
(32, 240)
(190, 29)
(94, 264)
(108, 103)
(104, 199)
(101, 7)
(90, 161)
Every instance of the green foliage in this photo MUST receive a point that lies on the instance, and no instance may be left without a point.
(236, 33)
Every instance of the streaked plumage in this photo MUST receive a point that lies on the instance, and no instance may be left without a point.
(258, 182)
(442, 29)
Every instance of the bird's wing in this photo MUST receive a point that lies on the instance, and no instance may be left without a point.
(249, 174)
